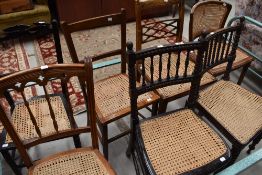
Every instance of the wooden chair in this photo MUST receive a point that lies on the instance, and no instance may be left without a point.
(169, 93)
(50, 117)
(177, 142)
(234, 110)
(111, 94)
(158, 29)
(211, 15)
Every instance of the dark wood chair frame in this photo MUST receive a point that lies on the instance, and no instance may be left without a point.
(175, 23)
(215, 59)
(135, 147)
(219, 71)
(64, 72)
(118, 18)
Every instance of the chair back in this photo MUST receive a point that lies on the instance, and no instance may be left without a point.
(222, 46)
(53, 106)
(153, 30)
(175, 71)
(113, 19)
(209, 15)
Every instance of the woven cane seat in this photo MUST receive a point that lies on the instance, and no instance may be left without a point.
(83, 161)
(39, 107)
(171, 91)
(236, 109)
(179, 142)
(112, 98)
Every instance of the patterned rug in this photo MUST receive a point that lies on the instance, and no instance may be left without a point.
(14, 57)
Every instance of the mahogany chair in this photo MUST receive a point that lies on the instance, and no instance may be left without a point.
(111, 94)
(211, 15)
(234, 110)
(158, 29)
(177, 142)
(50, 117)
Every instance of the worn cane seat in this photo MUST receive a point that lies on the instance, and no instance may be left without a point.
(82, 161)
(175, 90)
(112, 98)
(178, 142)
(39, 107)
(233, 107)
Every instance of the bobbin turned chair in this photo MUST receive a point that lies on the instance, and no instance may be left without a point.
(169, 93)
(177, 142)
(211, 15)
(50, 117)
(234, 110)
(111, 94)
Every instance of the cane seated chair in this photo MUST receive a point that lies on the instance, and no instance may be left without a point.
(234, 110)
(211, 15)
(111, 94)
(177, 142)
(50, 117)
(169, 93)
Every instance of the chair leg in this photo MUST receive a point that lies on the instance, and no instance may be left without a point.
(243, 73)
(77, 141)
(154, 108)
(254, 143)
(162, 106)
(104, 132)
(234, 153)
(11, 162)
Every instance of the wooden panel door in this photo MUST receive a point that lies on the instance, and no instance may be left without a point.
(114, 6)
(74, 10)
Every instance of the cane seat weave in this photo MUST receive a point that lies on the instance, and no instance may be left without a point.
(171, 91)
(112, 98)
(83, 161)
(233, 107)
(39, 107)
(179, 142)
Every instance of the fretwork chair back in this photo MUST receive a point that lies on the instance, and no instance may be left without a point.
(50, 117)
(233, 109)
(211, 15)
(177, 142)
(111, 94)
(158, 29)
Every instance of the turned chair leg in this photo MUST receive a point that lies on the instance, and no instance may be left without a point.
(252, 146)
(154, 109)
(11, 162)
(243, 73)
(77, 141)
(162, 106)
(235, 151)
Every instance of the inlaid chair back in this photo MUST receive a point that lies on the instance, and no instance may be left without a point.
(158, 29)
(166, 74)
(107, 20)
(221, 47)
(209, 15)
(49, 117)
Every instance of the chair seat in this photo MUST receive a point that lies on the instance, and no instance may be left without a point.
(179, 142)
(240, 60)
(112, 98)
(79, 161)
(236, 109)
(175, 90)
(39, 107)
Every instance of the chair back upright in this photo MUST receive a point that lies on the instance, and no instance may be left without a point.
(167, 74)
(159, 29)
(221, 47)
(209, 15)
(107, 20)
(51, 130)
